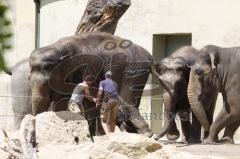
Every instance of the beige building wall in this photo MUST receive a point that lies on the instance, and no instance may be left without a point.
(210, 22)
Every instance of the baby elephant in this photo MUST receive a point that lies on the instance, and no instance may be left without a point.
(174, 76)
(216, 70)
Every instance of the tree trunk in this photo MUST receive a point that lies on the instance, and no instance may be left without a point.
(102, 15)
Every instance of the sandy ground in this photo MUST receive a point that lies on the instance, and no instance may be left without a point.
(221, 151)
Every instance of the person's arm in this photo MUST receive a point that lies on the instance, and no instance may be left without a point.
(100, 93)
(87, 93)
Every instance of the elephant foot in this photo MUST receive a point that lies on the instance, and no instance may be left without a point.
(157, 137)
(173, 134)
(193, 140)
(173, 137)
(210, 141)
(148, 134)
(145, 131)
(226, 140)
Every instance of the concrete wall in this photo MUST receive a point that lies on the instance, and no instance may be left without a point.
(59, 18)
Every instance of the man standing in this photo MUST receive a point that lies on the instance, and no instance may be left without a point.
(108, 89)
(80, 92)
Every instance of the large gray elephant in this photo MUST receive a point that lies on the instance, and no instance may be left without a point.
(57, 68)
(174, 74)
(20, 91)
(216, 70)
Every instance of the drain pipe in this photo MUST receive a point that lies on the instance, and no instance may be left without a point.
(37, 22)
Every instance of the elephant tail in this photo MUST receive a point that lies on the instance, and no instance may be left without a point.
(8, 71)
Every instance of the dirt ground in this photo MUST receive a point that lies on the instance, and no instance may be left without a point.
(218, 151)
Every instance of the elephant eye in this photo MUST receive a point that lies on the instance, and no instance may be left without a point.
(206, 58)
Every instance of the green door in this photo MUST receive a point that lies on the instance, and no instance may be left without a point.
(173, 42)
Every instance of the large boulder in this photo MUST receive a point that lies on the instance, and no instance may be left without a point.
(114, 146)
(61, 128)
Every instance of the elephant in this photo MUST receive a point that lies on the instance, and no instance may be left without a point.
(20, 91)
(174, 73)
(57, 68)
(216, 70)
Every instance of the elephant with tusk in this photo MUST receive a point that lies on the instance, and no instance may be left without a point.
(216, 70)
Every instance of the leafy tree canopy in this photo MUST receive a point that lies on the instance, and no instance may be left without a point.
(5, 33)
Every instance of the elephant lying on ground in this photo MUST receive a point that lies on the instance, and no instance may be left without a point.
(56, 67)
(216, 70)
(174, 74)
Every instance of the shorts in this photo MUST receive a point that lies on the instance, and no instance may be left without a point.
(109, 111)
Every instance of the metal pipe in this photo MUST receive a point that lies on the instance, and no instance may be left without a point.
(37, 22)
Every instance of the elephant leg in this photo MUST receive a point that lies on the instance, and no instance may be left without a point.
(169, 117)
(169, 127)
(195, 130)
(227, 116)
(120, 122)
(185, 123)
(209, 113)
(173, 133)
(229, 132)
(223, 119)
(60, 102)
(20, 107)
(210, 102)
(21, 94)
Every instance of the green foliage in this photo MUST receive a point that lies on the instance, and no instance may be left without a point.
(5, 34)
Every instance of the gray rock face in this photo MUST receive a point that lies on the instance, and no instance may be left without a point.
(61, 128)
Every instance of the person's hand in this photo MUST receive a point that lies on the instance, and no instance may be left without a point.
(98, 105)
(95, 100)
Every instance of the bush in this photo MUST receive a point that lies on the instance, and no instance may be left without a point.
(5, 33)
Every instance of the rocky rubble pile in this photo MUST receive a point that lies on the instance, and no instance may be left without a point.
(57, 133)
(60, 128)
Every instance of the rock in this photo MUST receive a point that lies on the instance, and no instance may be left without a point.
(4, 155)
(114, 146)
(61, 128)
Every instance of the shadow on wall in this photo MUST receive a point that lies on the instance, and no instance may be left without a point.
(46, 2)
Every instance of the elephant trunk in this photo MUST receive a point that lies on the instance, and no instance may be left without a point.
(169, 108)
(194, 92)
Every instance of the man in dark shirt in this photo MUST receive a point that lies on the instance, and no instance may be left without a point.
(110, 102)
